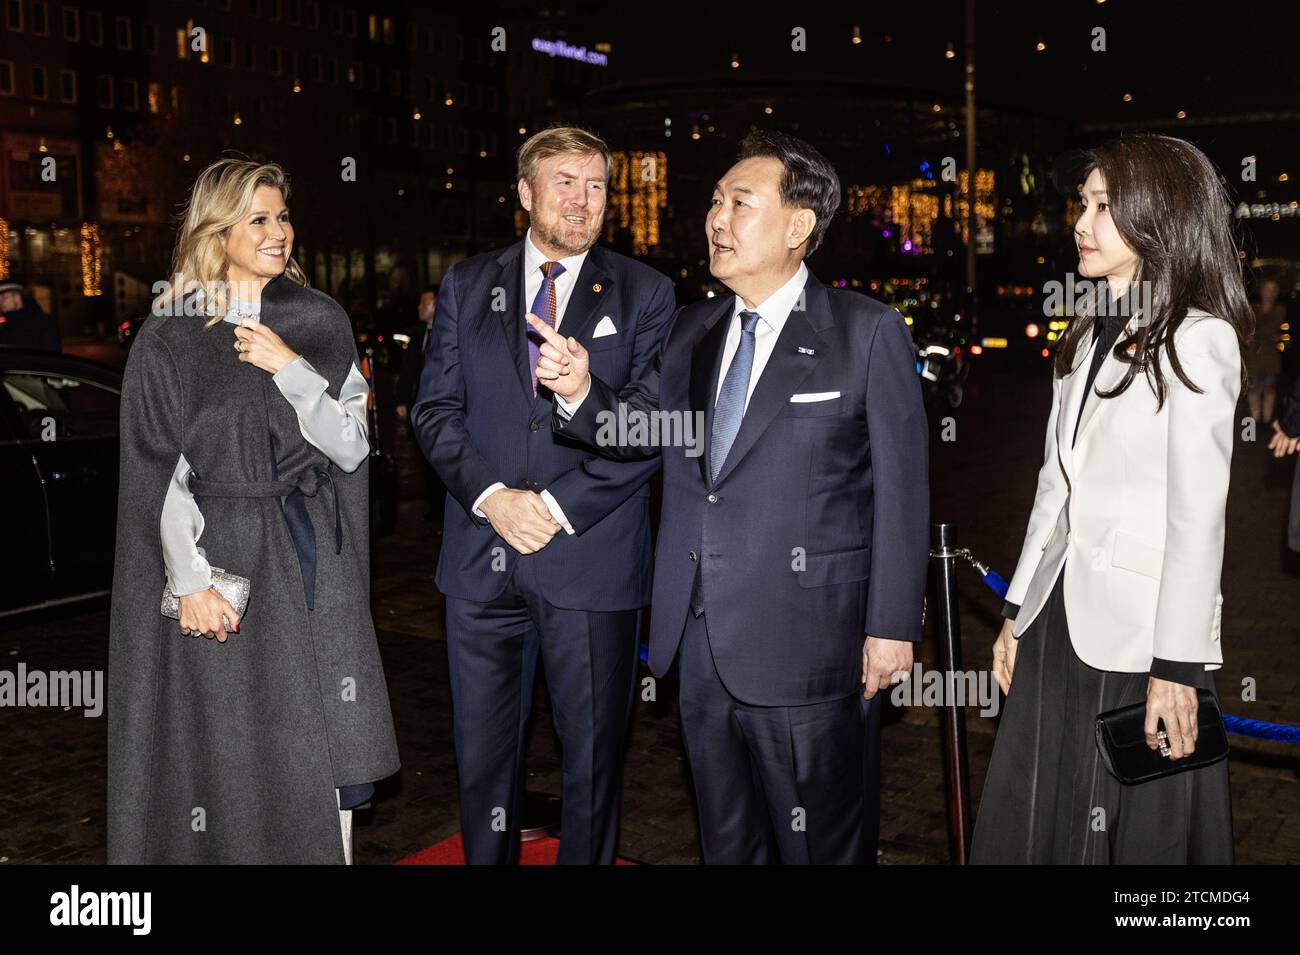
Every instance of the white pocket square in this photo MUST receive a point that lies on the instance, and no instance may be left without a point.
(815, 396)
(604, 327)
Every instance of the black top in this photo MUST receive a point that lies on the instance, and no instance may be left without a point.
(1105, 332)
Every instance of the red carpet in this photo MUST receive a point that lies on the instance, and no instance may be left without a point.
(452, 852)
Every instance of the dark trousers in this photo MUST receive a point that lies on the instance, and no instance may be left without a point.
(1048, 798)
(789, 784)
(589, 661)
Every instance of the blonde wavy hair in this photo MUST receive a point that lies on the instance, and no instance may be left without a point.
(218, 200)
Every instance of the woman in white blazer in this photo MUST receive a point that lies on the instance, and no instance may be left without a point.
(1116, 596)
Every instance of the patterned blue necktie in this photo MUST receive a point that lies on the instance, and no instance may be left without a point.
(545, 308)
(731, 400)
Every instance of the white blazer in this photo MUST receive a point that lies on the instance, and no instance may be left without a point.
(1137, 505)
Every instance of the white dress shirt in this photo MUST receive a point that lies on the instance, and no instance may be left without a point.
(772, 315)
(564, 286)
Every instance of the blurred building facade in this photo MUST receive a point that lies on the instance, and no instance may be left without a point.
(397, 123)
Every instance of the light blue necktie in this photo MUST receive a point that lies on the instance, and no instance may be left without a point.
(731, 400)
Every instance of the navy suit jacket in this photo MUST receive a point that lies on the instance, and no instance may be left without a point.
(478, 422)
(815, 533)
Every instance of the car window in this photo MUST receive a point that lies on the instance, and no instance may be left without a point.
(52, 405)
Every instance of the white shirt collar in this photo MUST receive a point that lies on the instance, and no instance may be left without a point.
(776, 308)
(533, 259)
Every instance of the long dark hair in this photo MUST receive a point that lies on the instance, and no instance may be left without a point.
(1169, 205)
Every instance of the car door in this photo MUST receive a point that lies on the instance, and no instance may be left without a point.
(25, 570)
(71, 423)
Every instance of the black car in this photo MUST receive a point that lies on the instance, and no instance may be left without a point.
(59, 474)
(58, 469)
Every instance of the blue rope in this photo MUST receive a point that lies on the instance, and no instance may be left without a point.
(1237, 725)
(996, 583)
(1260, 730)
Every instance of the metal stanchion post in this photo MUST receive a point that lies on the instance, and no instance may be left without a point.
(943, 559)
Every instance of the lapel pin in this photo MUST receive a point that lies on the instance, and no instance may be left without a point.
(806, 351)
(597, 287)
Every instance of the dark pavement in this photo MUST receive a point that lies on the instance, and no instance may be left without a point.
(52, 761)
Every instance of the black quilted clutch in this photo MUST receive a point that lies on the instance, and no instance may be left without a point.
(1123, 744)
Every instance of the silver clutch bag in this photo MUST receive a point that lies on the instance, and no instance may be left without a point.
(231, 586)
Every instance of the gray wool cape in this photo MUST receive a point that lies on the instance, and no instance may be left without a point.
(231, 753)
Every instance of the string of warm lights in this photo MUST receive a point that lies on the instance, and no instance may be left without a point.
(912, 208)
(90, 260)
(4, 249)
(638, 193)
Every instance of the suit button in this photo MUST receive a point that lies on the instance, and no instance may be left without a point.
(533, 426)
(713, 499)
(692, 556)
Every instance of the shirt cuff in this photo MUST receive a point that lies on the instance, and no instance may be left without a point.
(1010, 610)
(1177, 671)
(337, 428)
(553, 506)
(478, 501)
(181, 526)
(567, 409)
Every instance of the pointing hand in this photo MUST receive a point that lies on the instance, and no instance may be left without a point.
(563, 364)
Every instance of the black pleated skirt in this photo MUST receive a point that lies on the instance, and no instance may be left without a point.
(1048, 797)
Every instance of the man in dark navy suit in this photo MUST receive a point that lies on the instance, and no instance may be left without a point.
(791, 560)
(546, 546)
